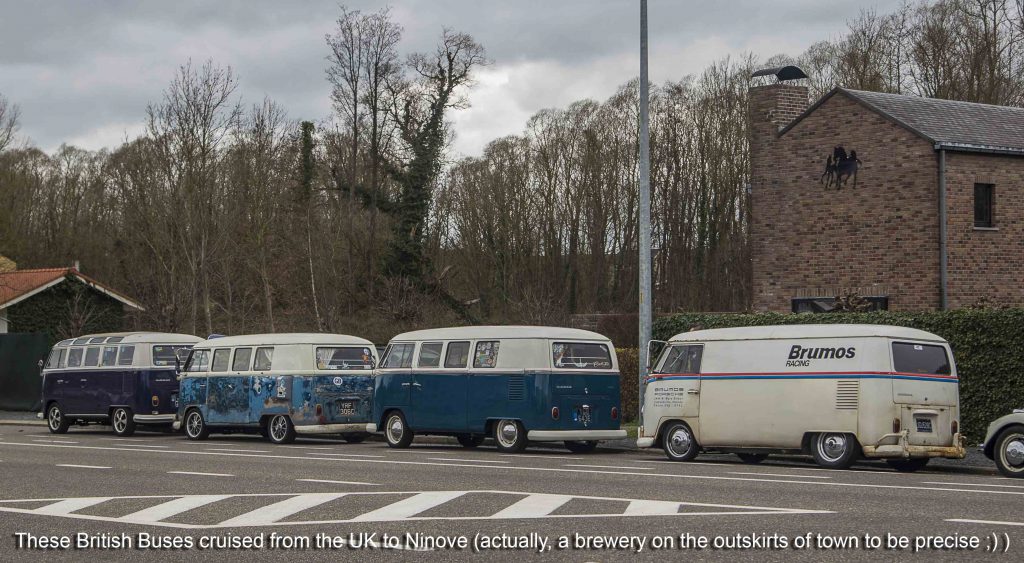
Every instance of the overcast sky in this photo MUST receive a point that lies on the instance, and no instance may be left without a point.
(83, 72)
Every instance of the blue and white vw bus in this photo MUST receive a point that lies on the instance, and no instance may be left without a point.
(279, 385)
(510, 383)
(124, 379)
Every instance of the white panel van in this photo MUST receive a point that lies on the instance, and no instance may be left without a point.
(836, 392)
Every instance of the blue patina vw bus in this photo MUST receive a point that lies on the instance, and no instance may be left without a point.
(124, 380)
(511, 383)
(278, 385)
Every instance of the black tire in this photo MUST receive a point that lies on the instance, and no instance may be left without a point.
(396, 431)
(122, 422)
(679, 443)
(55, 419)
(835, 450)
(280, 429)
(469, 441)
(195, 425)
(1008, 452)
(354, 438)
(908, 465)
(509, 436)
(581, 447)
(752, 459)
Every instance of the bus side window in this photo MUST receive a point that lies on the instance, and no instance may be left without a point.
(109, 356)
(457, 356)
(221, 356)
(430, 355)
(486, 355)
(75, 357)
(92, 357)
(54, 359)
(264, 359)
(200, 360)
(399, 356)
(127, 355)
(63, 354)
(242, 359)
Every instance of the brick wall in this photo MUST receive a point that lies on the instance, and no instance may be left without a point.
(878, 237)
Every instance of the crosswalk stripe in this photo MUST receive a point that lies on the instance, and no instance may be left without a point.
(281, 510)
(533, 506)
(170, 508)
(409, 507)
(651, 507)
(67, 506)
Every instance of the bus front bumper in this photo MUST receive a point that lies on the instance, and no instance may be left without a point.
(348, 428)
(574, 435)
(903, 449)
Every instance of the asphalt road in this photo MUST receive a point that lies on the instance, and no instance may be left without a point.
(165, 489)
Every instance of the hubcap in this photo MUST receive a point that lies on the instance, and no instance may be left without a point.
(54, 418)
(195, 424)
(396, 429)
(508, 432)
(1014, 451)
(279, 427)
(832, 446)
(679, 441)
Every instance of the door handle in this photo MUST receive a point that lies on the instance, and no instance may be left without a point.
(406, 384)
(693, 391)
(84, 380)
(416, 385)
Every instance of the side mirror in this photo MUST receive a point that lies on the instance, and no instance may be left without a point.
(652, 354)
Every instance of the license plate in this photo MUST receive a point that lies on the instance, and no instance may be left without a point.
(347, 408)
(583, 414)
(924, 425)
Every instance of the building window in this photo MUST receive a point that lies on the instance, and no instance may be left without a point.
(829, 305)
(984, 199)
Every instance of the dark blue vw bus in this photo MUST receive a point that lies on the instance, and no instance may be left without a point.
(279, 385)
(124, 379)
(511, 383)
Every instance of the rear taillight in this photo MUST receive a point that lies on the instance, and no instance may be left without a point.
(319, 410)
(954, 427)
(615, 413)
(896, 426)
(554, 413)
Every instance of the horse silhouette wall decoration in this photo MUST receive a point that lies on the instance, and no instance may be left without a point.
(840, 167)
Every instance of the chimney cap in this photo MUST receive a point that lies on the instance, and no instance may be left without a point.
(782, 73)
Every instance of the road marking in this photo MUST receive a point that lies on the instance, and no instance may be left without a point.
(337, 482)
(349, 455)
(172, 507)
(611, 467)
(240, 451)
(552, 456)
(56, 441)
(679, 463)
(974, 485)
(994, 522)
(534, 506)
(469, 460)
(281, 510)
(145, 446)
(83, 466)
(778, 475)
(517, 505)
(199, 473)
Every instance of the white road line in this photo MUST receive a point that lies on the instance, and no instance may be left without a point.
(305, 448)
(199, 473)
(145, 446)
(57, 441)
(67, 506)
(329, 481)
(348, 455)
(83, 466)
(778, 475)
(409, 507)
(651, 507)
(973, 485)
(553, 456)
(533, 506)
(281, 509)
(170, 508)
(611, 467)
(469, 460)
(693, 463)
(422, 452)
(994, 522)
(238, 451)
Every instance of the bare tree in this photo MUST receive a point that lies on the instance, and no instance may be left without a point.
(9, 115)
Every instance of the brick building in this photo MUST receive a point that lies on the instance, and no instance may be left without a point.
(849, 195)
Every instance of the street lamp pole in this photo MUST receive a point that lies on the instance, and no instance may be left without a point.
(645, 210)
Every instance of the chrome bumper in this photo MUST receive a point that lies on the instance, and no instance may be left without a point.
(903, 449)
(336, 428)
(39, 415)
(153, 418)
(176, 425)
(574, 435)
(645, 442)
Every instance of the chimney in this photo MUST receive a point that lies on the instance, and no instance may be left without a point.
(771, 108)
(7, 265)
(77, 266)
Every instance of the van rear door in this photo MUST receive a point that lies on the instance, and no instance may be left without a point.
(924, 374)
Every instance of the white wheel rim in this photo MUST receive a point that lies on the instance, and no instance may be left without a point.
(832, 447)
(395, 429)
(508, 433)
(55, 418)
(680, 441)
(120, 420)
(194, 424)
(278, 428)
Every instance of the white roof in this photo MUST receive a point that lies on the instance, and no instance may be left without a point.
(499, 333)
(143, 337)
(780, 332)
(284, 338)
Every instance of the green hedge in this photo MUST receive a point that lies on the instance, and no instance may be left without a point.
(988, 345)
(629, 381)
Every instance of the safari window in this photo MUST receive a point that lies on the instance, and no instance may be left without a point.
(457, 355)
(242, 358)
(264, 359)
(486, 355)
(349, 357)
(920, 358)
(580, 355)
(92, 357)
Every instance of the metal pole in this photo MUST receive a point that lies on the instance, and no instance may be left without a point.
(645, 210)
